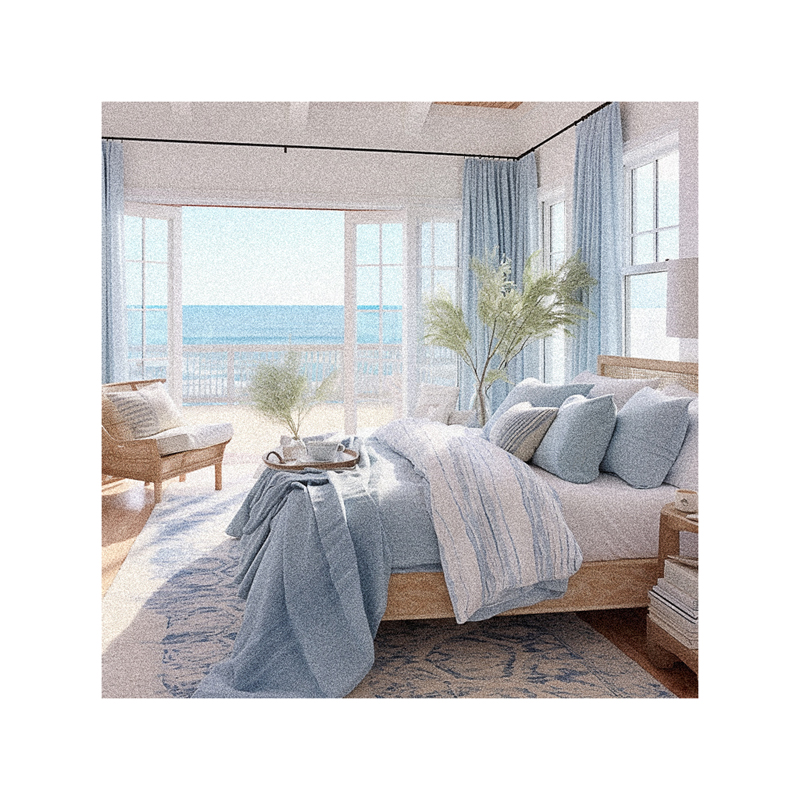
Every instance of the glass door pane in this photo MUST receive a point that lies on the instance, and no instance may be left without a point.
(438, 257)
(374, 273)
(149, 276)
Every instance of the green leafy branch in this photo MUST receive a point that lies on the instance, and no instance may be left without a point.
(281, 392)
(548, 301)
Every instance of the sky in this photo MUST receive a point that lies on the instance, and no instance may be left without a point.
(243, 256)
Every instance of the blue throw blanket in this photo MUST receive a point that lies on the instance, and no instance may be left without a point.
(315, 572)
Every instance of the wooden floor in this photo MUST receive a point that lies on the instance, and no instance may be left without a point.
(127, 506)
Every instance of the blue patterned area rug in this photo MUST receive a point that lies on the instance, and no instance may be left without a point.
(172, 612)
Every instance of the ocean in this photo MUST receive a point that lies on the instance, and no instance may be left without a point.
(297, 324)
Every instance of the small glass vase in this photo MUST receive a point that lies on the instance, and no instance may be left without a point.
(293, 449)
(481, 406)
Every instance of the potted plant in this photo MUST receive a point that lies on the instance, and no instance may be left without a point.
(282, 393)
(512, 317)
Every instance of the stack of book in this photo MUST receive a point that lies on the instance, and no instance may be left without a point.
(673, 600)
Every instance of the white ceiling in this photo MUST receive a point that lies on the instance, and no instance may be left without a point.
(415, 126)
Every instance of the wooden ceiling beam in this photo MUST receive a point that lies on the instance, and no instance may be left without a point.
(480, 105)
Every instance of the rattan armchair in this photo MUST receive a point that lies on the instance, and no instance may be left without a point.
(145, 459)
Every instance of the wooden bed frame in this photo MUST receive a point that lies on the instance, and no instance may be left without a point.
(623, 583)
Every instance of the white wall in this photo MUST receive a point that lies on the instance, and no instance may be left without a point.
(182, 173)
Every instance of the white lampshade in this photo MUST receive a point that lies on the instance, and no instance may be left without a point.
(682, 313)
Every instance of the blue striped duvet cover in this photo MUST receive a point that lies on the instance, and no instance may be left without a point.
(502, 536)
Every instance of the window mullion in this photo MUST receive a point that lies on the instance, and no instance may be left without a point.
(143, 311)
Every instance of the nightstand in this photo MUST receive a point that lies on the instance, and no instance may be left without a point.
(662, 649)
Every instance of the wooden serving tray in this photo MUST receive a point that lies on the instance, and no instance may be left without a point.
(348, 461)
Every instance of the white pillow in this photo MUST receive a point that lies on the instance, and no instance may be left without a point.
(684, 473)
(622, 389)
(521, 429)
(147, 411)
(436, 402)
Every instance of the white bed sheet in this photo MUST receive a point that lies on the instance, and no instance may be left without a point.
(611, 520)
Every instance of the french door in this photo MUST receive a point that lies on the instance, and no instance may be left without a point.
(377, 291)
(153, 294)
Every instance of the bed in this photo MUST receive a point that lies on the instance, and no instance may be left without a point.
(604, 583)
(446, 521)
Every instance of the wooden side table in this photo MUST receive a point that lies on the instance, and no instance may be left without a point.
(662, 649)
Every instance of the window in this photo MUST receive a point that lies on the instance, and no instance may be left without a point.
(152, 271)
(654, 211)
(438, 267)
(652, 225)
(554, 253)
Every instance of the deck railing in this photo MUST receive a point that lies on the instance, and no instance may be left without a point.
(221, 373)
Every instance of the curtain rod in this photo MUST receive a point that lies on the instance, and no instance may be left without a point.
(286, 147)
(564, 130)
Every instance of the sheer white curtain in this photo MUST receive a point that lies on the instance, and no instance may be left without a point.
(114, 315)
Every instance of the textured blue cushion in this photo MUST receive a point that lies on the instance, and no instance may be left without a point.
(541, 395)
(521, 429)
(575, 444)
(650, 431)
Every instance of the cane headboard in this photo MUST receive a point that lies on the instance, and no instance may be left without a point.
(684, 372)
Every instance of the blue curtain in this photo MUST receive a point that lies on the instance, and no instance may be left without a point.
(499, 211)
(597, 231)
(114, 314)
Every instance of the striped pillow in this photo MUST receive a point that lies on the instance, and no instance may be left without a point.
(147, 411)
(521, 428)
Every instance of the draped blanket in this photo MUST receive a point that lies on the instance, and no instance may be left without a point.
(315, 571)
(315, 564)
(502, 536)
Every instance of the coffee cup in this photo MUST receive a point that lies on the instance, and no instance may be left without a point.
(686, 501)
(323, 451)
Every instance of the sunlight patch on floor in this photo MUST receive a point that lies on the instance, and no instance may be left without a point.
(255, 435)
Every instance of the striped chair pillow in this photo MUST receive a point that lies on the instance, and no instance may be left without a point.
(521, 429)
(147, 411)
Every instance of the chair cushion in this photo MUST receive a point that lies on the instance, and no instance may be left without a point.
(147, 411)
(113, 422)
(192, 437)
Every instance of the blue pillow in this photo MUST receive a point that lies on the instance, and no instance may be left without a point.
(650, 430)
(541, 395)
(574, 445)
(521, 429)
